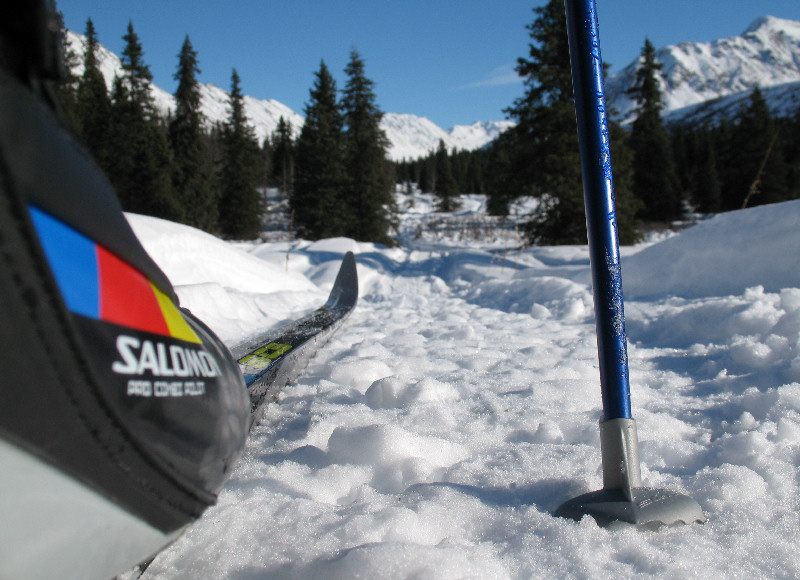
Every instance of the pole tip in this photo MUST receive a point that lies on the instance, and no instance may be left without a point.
(646, 509)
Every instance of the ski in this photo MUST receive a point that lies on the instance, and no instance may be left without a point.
(270, 360)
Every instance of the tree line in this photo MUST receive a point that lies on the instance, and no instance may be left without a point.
(446, 173)
(335, 174)
(339, 182)
(753, 159)
(660, 172)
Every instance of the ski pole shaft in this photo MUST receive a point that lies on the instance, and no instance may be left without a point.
(598, 191)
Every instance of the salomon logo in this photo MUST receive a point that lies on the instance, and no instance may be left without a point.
(161, 360)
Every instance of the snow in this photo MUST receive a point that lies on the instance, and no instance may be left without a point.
(412, 137)
(458, 406)
(690, 262)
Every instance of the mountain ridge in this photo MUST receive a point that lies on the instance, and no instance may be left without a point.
(702, 82)
(410, 136)
(696, 75)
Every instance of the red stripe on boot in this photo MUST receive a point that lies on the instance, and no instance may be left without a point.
(126, 297)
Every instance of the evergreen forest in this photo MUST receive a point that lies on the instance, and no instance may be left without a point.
(338, 181)
(662, 174)
(335, 174)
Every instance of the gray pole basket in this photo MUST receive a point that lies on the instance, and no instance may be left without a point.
(623, 500)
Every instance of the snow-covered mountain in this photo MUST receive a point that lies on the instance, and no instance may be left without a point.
(410, 136)
(701, 81)
(711, 78)
(263, 114)
(783, 100)
(413, 136)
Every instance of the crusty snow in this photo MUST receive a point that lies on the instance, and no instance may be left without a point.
(458, 406)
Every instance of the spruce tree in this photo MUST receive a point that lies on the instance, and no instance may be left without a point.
(708, 185)
(684, 151)
(790, 140)
(446, 187)
(427, 173)
(240, 209)
(725, 151)
(265, 164)
(93, 101)
(500, 183)
(474, 174)
(136, 74)
(655, 180)
(625, 203)
(320, 175)
(758, 173)
(695, 161)
(67, 89)
(540, 156)
(546, 158)
(368, 198)
(283, 152)
(139, 161)
(191, 169)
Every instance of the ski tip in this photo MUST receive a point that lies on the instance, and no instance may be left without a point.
(345, 289)
(349, 263)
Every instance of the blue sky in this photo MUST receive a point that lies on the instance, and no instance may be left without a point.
(450, 61)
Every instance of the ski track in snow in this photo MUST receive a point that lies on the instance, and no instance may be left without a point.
(458, 407)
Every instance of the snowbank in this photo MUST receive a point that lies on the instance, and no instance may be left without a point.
(724, 255)
(231, 290)
(458, 407)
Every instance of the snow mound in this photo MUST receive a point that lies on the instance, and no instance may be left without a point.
(724, 255)
(178, 249)
(540, 296)
(228, 288)
(334, 245)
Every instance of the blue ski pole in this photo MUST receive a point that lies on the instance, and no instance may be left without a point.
(622, 498)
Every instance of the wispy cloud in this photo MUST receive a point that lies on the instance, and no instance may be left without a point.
(502, 75)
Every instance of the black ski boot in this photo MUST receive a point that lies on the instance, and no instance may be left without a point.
(121, 414)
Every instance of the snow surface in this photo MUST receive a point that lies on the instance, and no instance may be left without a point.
(458, 406)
